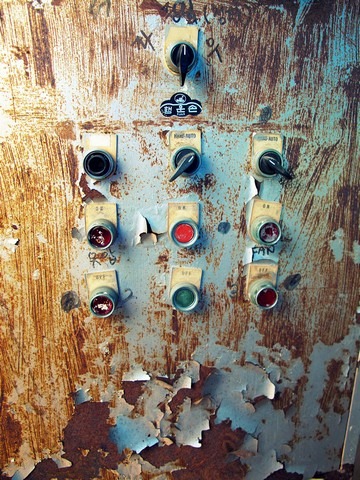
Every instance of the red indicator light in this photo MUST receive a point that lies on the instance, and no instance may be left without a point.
(267, 297)
(100, 237)
(269, 233)
(102, 306)
(184, 233)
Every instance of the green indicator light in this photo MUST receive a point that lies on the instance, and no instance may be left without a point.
(184, 298)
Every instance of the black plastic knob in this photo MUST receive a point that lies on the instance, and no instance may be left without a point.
(186, 163)
(183, 57)
(270, 163)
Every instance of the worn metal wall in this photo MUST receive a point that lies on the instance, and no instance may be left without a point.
(229, 391)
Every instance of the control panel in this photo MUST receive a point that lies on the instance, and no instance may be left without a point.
(179, 184)
(192, 189)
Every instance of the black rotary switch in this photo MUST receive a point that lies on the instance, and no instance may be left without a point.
(270, 163)
(183, 57)
(186, 162)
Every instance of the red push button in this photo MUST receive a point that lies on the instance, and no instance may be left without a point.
(103, 301)
(267, 297)
(269, 233)
(101, 234)
(184, 233)
(265, 231)
(263, 294)
(100, 237)
(102, 306)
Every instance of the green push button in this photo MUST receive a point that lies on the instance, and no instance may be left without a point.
(184, 297)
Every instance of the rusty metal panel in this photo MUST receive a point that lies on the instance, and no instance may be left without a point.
(229, 390)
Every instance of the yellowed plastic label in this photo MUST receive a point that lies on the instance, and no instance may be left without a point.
(261, 270)
(183, 211)
(186, 275)
(106, 278)
(100, 141)
(181, 139)
(100, 211)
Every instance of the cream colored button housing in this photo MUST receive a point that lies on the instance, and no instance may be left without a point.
(176, 36)
(100, 154)
(263, 224)
(183, 220)
(262, 144)
(101, 224)
(260, 286)
(185, 287)
(103, 292)
(185, 145)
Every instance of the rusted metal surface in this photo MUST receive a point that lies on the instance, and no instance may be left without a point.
(229, 392)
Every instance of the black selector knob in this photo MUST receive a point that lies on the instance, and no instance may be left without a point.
(183, 57)
(270, 163)
(186, 163)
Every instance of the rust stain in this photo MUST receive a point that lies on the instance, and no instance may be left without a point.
(72, 164)
(284, 400)
(23, 53)
(41, 49)
(79, 438)
(175, 326)
(163, 258)
(201, 185)
(87, 126)
(35, 168)
(279, 331)
(298, 397)
(153, 7)
(212, 460)
(163, 135)
(121, 187)
(132, 390)
(332, 394)
(116, 190)
(89, 193)
(10, 432)
(66, 130)
(194, 393)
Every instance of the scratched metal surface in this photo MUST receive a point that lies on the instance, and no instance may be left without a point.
(229, 392)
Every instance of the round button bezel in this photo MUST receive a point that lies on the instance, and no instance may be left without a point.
(172, 51)
(106, 224)
(256, 227)
(256, 288)
(89, 164)
(188, 222)
(109, 294)
(262, 154)
(176, 157)
(184, 286)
